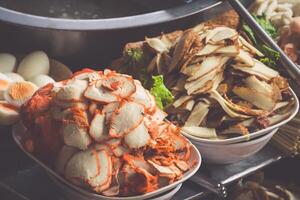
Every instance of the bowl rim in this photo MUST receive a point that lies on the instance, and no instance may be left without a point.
(18, 130)
(252, 135)
(151, 18)
(239, 144)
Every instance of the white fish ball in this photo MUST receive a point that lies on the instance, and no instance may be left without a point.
(7, 62)
(34, 64)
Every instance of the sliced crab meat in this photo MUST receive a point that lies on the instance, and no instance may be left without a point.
(138, 137)
(83, 164)
(63, 158)
(86, 74)
(72, 91)
(98, 129)
(163, 170)
(120, 85)
(158, 115)
(198, 114)
(202, 132)
(8, 114)
(19, 92)
(76, 136)
(109, 109)
(126, 118)
(102, 181)
(97, 93)
(141, 95)
(94, 167)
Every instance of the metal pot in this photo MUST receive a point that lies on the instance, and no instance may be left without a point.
(94, 42)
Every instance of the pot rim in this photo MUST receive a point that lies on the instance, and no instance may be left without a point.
(151, 18)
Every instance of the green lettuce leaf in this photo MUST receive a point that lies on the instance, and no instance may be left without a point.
(162, 95)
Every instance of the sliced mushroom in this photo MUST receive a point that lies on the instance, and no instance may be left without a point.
(181, 100)
(250, 47)
(224, 34)
(208, 49)
(235, 129)
(245, 58)
(231, 50)
(198, 114)
(258, 99)
(259, 70)
(152, 65)
(209, 64)
(215, 95)
(181, 48)
(201, 132)
(156, 44)
(213, 32)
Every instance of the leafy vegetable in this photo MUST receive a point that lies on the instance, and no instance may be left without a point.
(271, 56)
(162, 95)
(266, 25)
(135, 65)
(249, 32)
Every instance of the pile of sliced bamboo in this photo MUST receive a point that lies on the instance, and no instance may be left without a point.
(288, 137)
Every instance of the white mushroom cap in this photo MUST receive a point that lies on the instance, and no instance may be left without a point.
(7, 62)
(41, 80)
(14, 76)
(19, 92)
(34, 64)
(8, 114)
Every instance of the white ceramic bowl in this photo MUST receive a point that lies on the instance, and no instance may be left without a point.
(250, 136)
(71, 194)
(69, 189)
(231, 153)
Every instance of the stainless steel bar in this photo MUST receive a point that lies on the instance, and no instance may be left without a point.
(290, 66)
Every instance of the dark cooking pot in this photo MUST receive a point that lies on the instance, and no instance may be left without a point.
(91, 42)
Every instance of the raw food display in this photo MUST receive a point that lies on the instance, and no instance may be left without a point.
(221, 85)
(105, 133)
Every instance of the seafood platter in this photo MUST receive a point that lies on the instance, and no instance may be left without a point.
(212, 94)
